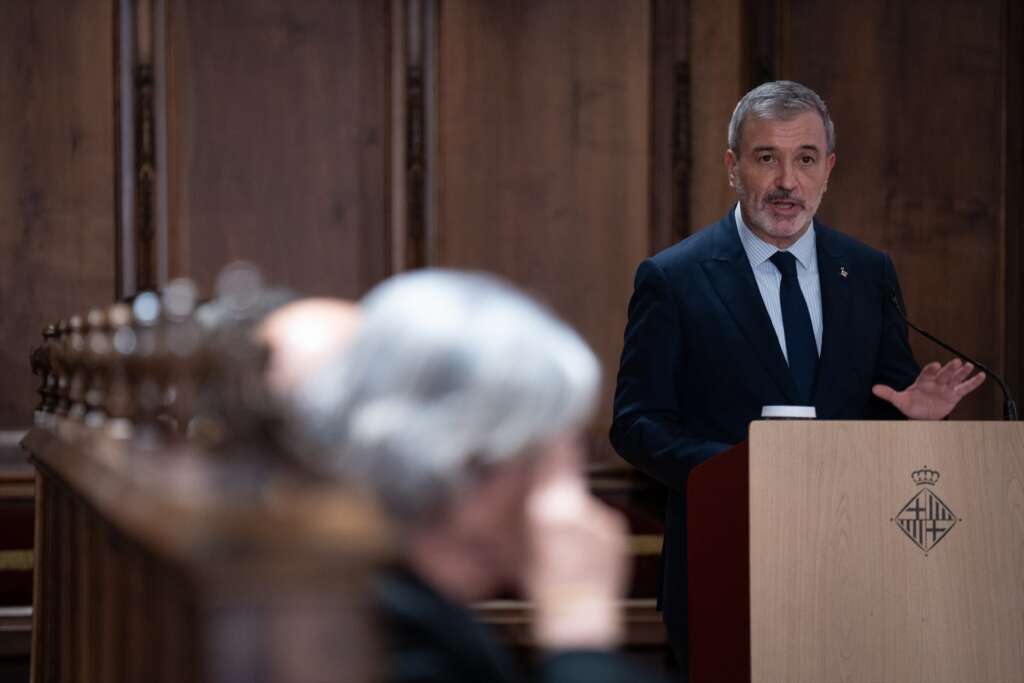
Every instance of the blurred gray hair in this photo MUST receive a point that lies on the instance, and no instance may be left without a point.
(778, 100)
(450, 373)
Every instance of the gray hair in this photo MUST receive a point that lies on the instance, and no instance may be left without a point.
(449, 374)
(779, 100)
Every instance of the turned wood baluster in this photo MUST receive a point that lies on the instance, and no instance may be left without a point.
(75, 357)
(144, 370)
(40, 361)
(51, 391)
(58, 360)
(98, 351)
(182, 336)
(119, 402)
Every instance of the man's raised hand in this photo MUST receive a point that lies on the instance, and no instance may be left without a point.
(935, 392)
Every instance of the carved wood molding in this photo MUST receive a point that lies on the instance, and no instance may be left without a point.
(681, 135)
(414, 132)
(145, 177)
(141, 230)
(761, 28)
(670, 123)
(415, 167)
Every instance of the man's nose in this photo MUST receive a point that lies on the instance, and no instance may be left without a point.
(786, 177)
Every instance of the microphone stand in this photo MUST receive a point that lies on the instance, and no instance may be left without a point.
(1009, 405)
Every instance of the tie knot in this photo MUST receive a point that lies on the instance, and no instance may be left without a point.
(785, 262)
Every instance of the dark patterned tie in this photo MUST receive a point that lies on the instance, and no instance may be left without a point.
(800, 346)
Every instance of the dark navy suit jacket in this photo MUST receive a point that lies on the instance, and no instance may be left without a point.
(701, 358)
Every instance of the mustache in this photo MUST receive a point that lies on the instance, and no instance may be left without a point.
(783, 195)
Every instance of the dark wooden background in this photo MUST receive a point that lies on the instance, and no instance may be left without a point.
(556, 142)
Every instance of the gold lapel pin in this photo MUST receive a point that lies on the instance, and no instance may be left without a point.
(842, 271)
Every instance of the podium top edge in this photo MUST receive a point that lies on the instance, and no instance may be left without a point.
(773, 426)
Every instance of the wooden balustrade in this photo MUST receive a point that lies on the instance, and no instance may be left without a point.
(166, 548)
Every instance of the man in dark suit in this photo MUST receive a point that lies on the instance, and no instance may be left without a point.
(766, 307)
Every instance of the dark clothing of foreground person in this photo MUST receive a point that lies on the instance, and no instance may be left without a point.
(433, 640)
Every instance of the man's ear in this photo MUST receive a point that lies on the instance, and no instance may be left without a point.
(830, 163)
(730, 166)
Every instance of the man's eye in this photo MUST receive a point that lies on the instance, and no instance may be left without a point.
(807, 160)
(765, 158)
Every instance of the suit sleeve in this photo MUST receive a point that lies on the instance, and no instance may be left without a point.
(648, 428)
(895, 364)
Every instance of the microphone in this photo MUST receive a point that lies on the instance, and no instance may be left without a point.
(1009, 406)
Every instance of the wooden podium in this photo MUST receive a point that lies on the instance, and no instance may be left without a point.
(861, 552)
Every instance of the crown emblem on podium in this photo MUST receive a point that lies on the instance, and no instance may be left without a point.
(925, 519)
(924, 476)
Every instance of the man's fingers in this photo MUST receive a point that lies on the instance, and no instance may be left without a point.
(930, 371)
(970, 385)
(948, 371)
(960, 375)
(885, 393)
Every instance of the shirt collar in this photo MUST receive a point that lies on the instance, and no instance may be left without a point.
(759, 251)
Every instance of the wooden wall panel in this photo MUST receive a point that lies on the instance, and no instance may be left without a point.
(544, 124)
(672, 142)
(719, 80)
(56, 177)
(279, 147)
(916, 91)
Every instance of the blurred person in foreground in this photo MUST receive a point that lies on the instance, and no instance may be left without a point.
(260, 343)
(459, 405)
(302, 337)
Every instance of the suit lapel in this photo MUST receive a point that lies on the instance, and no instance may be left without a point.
(835, 304)
(733, 280)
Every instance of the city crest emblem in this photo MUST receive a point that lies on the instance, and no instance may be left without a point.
(926, 519)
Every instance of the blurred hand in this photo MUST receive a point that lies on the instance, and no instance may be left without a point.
(578, 561)
(935, 392)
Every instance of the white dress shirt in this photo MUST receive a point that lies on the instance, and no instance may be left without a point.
(769, 279)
